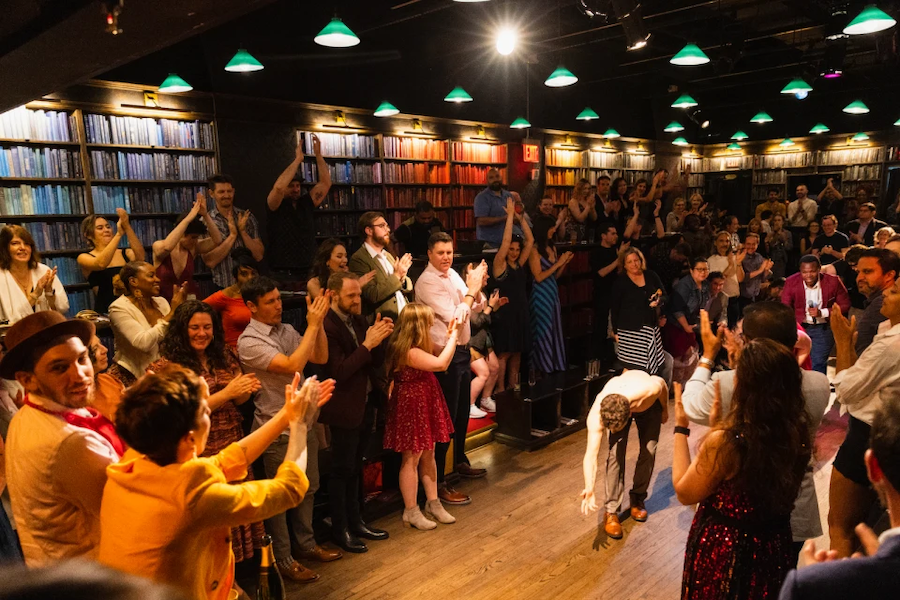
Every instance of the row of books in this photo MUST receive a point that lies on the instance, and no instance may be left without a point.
(563, 176)
(68, 271)
(353, 198)
(416, 173)
(146, 131)
(640, 161)
(463, 218)
(476, 152)
(343, 172)
(557, 157)
(765, 177)
(632, 177)
(780, 161)
(723, 163)
(594, 175)
(409, 196)
(80, 300)
(464, 196)
(340, 144)
(107, 198)
(604, 160)
(337, 224)
(55, 234)
(22, 161)
(26, 124)
(560, 195)
(862, 172)
(849, 157)
(107, 164)
(409, 147)
(43, 200)
(696, 180)
(151, 230)
(475, 174)
(892, 153)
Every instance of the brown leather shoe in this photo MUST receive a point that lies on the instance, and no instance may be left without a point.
(470, 472)
(612, 526)
(297, 572)
(450, 496)
(639, 513)
(321, 554)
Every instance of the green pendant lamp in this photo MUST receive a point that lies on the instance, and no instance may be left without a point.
(761, 117)
(786, 142)
(860, 137)
(561, 77)
(673, 127)
(611, 133)
(336, 35)
(588, 114)
(243, 62)
(520, 123)
(386, 109)
(796, 86)
(458, 95)
(857, 107)
(733, 146)
(897, 122)
(819, 128)
(174, 84)
(684, 101)
(739, 135)
(689, 56)
(679, 141)
(870, 20)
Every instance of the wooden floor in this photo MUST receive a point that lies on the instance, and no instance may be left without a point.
(523, 536)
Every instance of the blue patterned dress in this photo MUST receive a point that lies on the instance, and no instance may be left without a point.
(548, 351)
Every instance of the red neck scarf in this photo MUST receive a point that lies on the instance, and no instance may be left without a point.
(95, 422)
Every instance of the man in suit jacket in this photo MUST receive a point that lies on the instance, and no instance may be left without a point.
(877, 576)
(812, 294)
(386, 293)
(862, 230)
(354, 349)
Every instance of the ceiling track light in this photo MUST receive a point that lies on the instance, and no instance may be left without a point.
(631, 17)
(111, 11)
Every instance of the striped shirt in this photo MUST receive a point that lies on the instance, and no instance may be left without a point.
(222, 272)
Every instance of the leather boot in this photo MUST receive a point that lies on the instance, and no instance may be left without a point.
(349, 542)
(413, 517)
(435, 510)
(612, 526)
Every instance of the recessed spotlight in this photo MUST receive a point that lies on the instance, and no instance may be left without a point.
(506, 41)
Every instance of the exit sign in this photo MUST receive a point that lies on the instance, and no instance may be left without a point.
(531, 153)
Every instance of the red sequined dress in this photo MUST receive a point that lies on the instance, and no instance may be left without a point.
(417, 415)
(735, 550)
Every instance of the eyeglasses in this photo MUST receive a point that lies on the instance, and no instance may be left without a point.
(382, 225)
(702, 270)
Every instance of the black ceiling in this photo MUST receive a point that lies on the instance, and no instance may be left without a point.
(413, 52)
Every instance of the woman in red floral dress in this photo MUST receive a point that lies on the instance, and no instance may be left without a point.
(195, 340)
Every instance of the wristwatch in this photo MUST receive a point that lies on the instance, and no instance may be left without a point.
(682, 430)
(707, 363)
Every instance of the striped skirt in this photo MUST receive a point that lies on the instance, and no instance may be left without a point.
(641, 349)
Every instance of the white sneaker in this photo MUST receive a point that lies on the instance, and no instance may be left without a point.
(476, 413)
(489, 405)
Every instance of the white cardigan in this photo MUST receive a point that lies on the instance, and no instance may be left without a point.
(13, 302)
(137, 344)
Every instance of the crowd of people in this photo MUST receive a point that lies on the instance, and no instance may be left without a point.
(151, 454)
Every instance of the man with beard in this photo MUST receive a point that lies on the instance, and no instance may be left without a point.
(877, 271)
(490, 214)
(58, 449)
(386, 293)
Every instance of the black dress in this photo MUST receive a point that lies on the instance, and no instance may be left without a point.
(510, 325)
(103, 281)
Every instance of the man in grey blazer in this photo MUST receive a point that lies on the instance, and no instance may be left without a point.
(388, 291)
(774, 321)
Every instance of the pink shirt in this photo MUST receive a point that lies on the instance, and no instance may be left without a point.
(445, 293)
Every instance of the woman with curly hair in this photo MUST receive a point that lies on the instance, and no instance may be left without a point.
(330, 258)
(195, 340)
(746, 477)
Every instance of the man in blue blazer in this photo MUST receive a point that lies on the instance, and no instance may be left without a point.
(878, 575)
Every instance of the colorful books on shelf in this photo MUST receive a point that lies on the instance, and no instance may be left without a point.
(463, 218)
(343, 172)
(725, 163)
(769, 177)
(560, 195)
(633, 177)
(416, 173)
(475, 174)
(43, 200)
(336, 224)
(340, 144)
(108, 164)
(478, 152)
(150, 230)
(38, 125)
(68, 271)
(107, 198)
(850, 156)
(79, 300)
(464, 197)
(865, 172)
(146, 131)
(563, 177)
(782, 161)
(414, 148)
(54, 235)
(353, 198)
(22, 161)
(563, 158)
(395, 218)
(409, 196)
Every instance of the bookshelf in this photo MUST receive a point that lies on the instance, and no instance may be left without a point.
(59, 165)
(565, 167)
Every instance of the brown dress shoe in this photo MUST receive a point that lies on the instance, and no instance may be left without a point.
(321, 554)
(470, 472)
(297, 572)
(450, 496)
(612, 526)
(639, 513)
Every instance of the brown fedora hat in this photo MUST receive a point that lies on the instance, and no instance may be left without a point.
(33, 332)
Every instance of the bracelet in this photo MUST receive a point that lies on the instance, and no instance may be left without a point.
(469, 296)
(706, 363)
(682, 430)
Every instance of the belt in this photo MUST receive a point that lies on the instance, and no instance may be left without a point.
(805, 325)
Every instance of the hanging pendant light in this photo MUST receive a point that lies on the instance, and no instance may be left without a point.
(739, 135)
(870, 20)
(243, 62)
(786, 142)
(611, 133)
(458, 95)
(819, 128)
(174, 84)
(761, 117)
(561, 77)
(336, 35)
(386, 109)
(796, 86)
(857, 107)
(679, 141)
(897, 122)
(860, 137)
(733, 146)
(674, 127)
(684, 101)
(520, 123)
(689, 56)
(587, 114)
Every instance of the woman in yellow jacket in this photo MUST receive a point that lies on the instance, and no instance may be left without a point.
(166, 514)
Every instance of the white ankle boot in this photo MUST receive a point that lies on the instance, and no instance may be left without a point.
(435, 510)
(413, 517)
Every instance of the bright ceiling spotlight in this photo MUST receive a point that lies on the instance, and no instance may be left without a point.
(506, 41)
(632, 20)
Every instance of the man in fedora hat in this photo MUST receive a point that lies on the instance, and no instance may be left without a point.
(57, 448)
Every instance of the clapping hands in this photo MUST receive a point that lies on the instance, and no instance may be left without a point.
(302, 405)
